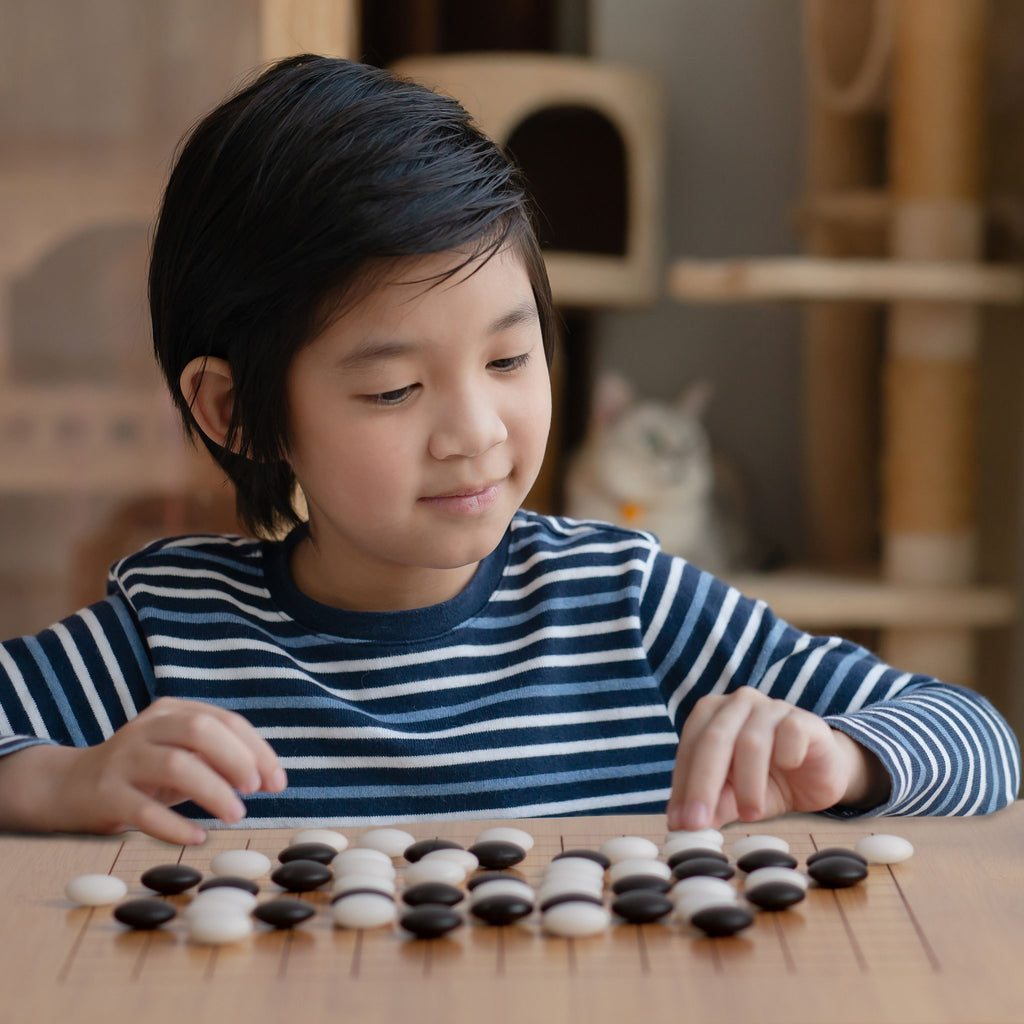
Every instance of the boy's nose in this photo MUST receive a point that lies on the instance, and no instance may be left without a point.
(467, 425)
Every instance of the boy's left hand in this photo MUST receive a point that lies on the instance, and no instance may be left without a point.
(744, 756)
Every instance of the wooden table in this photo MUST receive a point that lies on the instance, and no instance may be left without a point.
(936, 939)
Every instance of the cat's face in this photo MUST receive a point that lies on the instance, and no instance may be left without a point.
(652, 449)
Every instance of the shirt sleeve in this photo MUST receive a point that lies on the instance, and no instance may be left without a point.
(75, 683)
(946, 749)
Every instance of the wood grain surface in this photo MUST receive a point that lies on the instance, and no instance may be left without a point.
(936, 939)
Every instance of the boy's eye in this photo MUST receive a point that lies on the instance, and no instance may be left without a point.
(395, 397)
(511, 363)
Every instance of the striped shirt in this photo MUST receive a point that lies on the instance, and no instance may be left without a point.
(555, 683)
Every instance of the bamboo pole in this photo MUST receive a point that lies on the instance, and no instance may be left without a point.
(929, 485)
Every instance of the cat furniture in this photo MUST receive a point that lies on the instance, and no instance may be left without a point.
(913, 249)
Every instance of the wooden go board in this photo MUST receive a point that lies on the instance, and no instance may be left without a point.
(935, 939)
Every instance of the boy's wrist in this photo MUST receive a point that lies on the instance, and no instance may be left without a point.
(33, 784)
(868, 783)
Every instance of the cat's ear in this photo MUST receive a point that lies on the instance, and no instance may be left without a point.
(613, 395)
(694, 401)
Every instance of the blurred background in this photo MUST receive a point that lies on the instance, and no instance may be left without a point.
(811, 209)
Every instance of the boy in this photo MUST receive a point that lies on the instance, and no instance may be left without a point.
(347, 295)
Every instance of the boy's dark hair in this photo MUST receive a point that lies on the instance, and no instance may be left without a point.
(277, 203)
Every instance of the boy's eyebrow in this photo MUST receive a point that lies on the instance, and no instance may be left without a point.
(524, 312)
(378, 351)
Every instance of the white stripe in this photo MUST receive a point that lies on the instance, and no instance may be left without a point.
(509, 722)
(868, 683)
(627, 624)
(84, 680)
(216, 596)
(546, 555)
(810, 666)
(668, 597)
(583, 572)
(714, 638)
(903, 764)
(107, 654)
(581, 805)
(771, 673)
(249, 673)
(486, 754)
(742, 646)
(28, 703)
(173, 572)
(898, 684)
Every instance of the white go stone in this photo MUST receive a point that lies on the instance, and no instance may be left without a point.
(95, 890)
(501, 887)
(241, 863)
(884, 849)
(434, 869)
(560, 886)
(466, 860)
(363, 910)
(775, 874)
(748, 844)
(351, 880)
(223, 899)
(576, 919)
(320, 835)
(627, 847)
(219, 926)
(575, 865)
(363, 861)
(639, 866)
(717, 887)
(687, 838)
(507, 834)
(391, 841)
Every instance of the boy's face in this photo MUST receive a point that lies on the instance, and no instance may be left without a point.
(418, 422)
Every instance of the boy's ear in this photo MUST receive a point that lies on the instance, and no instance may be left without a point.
(209, 391)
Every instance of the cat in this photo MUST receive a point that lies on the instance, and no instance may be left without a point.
(649, 465)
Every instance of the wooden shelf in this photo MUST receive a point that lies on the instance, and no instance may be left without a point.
(813, 600)
(802, 278)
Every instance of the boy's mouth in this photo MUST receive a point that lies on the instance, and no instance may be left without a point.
(466, 500)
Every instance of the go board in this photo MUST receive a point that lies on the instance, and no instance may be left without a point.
(933, 939)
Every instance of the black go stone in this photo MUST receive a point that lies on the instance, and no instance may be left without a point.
(497, 854)
(320, 852)
(145, 913)
(171, 879)
(837, 871)
(711, 866)
(595, 855)
(488, 876)
(230, 882)
(766, 859)
(641, 906)
(571, 897)
(424, 846)
(835, 851)
(720, 921)
(432, 892)
(502, 909)
(650, 883)
(430, 920)
(302, 875)
(694, 852)
(284, 912)
(775, 895)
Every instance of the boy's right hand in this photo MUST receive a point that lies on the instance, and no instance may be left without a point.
(174, 750)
